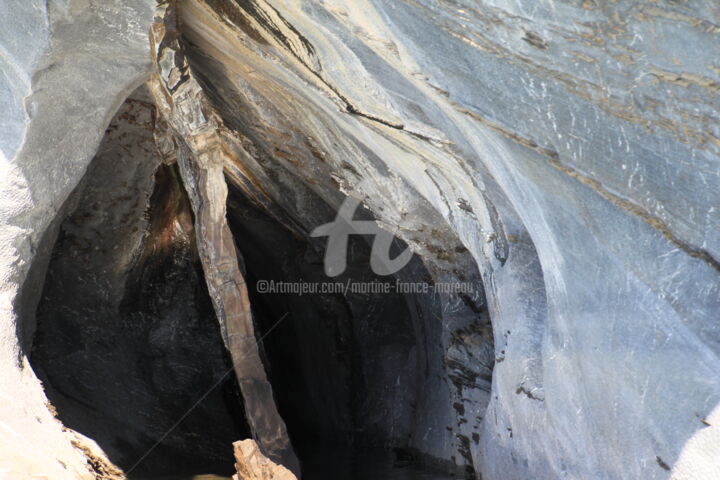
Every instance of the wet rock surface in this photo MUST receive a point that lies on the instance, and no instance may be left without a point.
(560, 181)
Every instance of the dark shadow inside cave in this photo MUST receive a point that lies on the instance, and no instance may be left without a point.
(122, 366)
(344, 366)
(127, 340)
(124, 352)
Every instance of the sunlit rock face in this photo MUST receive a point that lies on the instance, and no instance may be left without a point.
(562, 156)
(66, 68)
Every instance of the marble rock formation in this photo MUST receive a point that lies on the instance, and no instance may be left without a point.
(560, 156)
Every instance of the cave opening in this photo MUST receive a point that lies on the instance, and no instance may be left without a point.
(121, 369)
(127, 339)
(345, 366)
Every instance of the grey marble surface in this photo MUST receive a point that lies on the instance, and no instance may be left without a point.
(572, 147)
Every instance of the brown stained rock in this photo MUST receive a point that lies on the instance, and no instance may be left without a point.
(253, 465)
(201, 155)
(98, 465)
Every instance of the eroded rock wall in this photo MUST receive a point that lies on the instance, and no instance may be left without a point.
(67, 67)
(127, 339)
(572, 148)
(566, 150)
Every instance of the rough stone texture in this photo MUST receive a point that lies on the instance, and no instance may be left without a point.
(570, 147)
(126, 337)
(293, 173)
(251, 464)
(201, 154)
(66, 68)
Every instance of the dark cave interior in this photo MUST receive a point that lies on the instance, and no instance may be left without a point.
(123, 368)
(128, 347)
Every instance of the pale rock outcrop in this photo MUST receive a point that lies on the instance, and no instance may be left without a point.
(251, 464)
